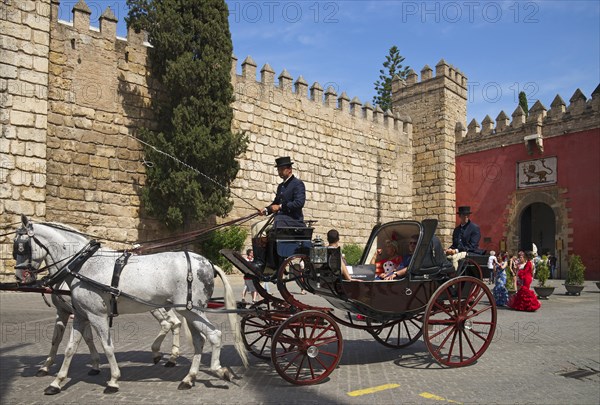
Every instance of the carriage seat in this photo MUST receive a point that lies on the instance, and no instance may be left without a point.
(364, 272)
(480, 259)
(434, 261)
(292, 240)
(428, 271)
(292, 233)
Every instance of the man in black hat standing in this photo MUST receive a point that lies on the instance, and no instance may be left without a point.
(290, 197)
(465, 238)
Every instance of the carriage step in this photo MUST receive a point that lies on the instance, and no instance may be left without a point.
(251, 268)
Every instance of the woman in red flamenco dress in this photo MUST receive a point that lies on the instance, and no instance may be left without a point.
(525, 299)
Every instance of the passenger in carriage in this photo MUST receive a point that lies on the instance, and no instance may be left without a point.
(289, 198)
(402, 268)
(388, 254)
(333, 239)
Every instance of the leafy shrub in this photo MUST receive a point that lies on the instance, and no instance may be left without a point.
(576, 272)
(542, 271)
(353, 253)
(229, 238)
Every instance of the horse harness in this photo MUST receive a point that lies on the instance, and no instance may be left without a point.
(23, 254)
(114, 291)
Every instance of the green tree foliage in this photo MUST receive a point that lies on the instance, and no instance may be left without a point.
(191, 59)
(232, 237)
(352, 252)
(383, 87)
(523, 102)
(576, 272)
(542, 271)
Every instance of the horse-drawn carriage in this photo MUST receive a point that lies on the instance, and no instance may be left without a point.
(451, 308)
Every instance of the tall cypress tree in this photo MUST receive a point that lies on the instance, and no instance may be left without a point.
(523, 102)
(391, 67)
(191, 58)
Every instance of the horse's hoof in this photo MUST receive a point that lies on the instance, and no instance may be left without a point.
(51, 390)
(111, 390)
(226, 374)
(170, 364)
(184, 386)
(156, 359)
(41, 373)
(93, 371)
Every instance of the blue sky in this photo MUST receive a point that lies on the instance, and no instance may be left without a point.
(544, 48)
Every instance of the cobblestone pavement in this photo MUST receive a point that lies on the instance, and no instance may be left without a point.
(533, 359)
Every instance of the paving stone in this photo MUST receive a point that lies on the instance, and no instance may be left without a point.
(525, 363)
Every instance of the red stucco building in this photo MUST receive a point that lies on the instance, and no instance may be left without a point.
(536, 179)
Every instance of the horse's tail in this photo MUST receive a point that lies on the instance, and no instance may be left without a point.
(230, 304)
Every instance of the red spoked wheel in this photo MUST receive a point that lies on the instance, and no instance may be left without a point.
(307, 348)
(460, 321)
(397, 333)
(257, 331)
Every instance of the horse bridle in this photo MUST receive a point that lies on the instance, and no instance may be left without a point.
(23, 253)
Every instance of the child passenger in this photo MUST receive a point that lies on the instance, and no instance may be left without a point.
(390, 255)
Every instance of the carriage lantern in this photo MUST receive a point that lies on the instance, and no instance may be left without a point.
(318, 254)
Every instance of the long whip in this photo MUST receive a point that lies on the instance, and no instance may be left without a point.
(193, 169)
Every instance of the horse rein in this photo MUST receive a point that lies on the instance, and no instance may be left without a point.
(22, 248)
(23, 255)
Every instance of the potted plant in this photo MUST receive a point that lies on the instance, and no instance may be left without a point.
(542, 272)
(575, 276)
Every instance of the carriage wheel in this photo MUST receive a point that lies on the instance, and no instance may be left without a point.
(460, 321)
(290, 270)
(470, 268)
(258, 331)
(307, 347)
(397, 333)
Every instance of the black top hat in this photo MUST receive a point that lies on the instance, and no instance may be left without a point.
(464, 210)
(283, 161)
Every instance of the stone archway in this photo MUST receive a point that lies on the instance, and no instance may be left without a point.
(535, 199)
(538, 225)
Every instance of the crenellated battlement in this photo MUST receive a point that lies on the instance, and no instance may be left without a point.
(579, 115)
(286, 89)
(132, 48)
(446, 76)
(107, 28)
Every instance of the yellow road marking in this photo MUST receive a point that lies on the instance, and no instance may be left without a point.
(372, 390)
(437, 398)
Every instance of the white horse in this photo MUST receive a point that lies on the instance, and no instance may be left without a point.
(184, 281)
(167, 319)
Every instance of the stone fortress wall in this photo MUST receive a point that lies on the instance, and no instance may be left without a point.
(73, 94)
(437, 106)
(356, 162)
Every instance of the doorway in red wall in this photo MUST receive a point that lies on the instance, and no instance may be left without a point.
(538, 225)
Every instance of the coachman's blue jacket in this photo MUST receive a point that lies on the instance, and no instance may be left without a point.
(291, 195)
(466, 238)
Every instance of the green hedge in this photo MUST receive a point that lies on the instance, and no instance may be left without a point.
(353, 253)
(229, 238)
